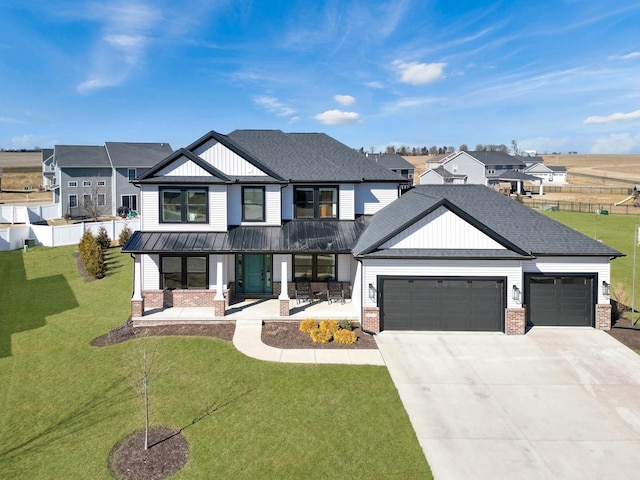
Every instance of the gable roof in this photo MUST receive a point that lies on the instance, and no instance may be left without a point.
(558, 169)
(390, 161)
(81, 156)
(519, 228)
(496, 158)
(128, 154)
(151, 176)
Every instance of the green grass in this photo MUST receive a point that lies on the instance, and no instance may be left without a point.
(65, 404)
(617, 231)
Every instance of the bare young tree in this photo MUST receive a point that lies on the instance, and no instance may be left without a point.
(463, 148)
(94, 197)
(514, 146)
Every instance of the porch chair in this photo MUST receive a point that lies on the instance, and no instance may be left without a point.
(303, 291)
(335, 291)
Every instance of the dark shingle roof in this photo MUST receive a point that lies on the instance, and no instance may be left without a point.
(123, 154)
(516, 226)
(309, 157)
(557, 169)
(72, 156)
(390, 161)
(515, 175)
(336, 236)
(497, 158)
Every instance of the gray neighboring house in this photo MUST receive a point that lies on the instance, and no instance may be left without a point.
(87, 178)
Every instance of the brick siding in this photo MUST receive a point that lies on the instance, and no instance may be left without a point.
(603, 316)
(371, 319)
(515, 321)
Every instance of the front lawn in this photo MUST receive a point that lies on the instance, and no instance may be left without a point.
(65, 404)
(617, 231)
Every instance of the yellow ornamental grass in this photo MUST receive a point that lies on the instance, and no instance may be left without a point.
(320, 335)
(307, 325)
(345, 337)
(330, 325)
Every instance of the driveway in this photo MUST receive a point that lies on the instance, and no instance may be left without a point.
(556, 403)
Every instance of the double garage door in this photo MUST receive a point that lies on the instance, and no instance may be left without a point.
(444, 304)
(478, 304)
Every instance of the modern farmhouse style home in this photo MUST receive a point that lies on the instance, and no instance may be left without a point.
(274, 215)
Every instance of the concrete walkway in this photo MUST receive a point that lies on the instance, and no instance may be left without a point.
(552, 404)
(248, 340)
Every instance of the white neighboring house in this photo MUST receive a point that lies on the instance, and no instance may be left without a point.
(548, 174)
(251, 213)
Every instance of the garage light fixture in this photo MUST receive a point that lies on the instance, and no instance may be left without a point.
(605, 288)
(515, 293)
(372, 292)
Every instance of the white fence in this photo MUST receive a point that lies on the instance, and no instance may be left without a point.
(24, 214)
(59, 235)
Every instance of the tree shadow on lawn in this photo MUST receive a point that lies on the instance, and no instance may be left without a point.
(27, 303)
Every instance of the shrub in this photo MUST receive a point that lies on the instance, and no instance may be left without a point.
(345, 337)
(307, 325)
(125, 235)
(329, 325)
(91, 255)
(320, 335)
(103, 238)
(347, 325)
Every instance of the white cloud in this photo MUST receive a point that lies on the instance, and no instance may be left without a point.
(617, 143)
(344, 99)
(416, 73)
(96, 82)
(628, 56)
(273, 105)
(338, 117)
(614, 117)
(11, 120)
(546, 144)
(30, 141)
(375, 84)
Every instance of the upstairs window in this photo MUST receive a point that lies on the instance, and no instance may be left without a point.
(102, 183)
(131, 173)
(253, 204)
(72, 183)
(86, 183)
(316, 202)
(183, 205)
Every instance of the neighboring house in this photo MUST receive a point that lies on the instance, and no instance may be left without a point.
(441, 176)
(395, 163)
(548, 174)
(92, 179)
(48, 169)
(250, 213)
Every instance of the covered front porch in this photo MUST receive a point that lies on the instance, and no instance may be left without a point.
(267, 309)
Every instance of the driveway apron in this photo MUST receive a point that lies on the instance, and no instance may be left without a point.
(556, 403)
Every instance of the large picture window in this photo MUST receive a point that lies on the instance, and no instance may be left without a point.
(253, 204)
(316, 202)
(183, 205)
(316, 267)
(184, 272)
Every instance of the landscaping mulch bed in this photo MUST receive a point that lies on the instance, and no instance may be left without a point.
(126, 332)
(287, 335)
(622, 331)
(168, 452)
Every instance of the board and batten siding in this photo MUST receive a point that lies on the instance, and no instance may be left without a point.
(371, 197)
(183, 167)
(373, 268)
(150, 272)
(597, 265)
(227, 161)
(217, 206)
(442, 229)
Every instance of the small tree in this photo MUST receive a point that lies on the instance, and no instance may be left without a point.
(91, 255)
(125, 235)
(145, 372)
(103, 238)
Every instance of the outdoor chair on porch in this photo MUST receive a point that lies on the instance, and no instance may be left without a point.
(335, 291)
(303, 291)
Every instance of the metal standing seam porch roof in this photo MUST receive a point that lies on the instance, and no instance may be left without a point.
(300, 236)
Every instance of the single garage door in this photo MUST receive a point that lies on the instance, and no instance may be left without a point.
(438, 304)
(560, 300)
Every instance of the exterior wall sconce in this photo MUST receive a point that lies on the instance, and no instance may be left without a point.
(372, 292)
(515, 293)
(605, 288)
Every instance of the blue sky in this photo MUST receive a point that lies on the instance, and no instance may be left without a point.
(553, 75)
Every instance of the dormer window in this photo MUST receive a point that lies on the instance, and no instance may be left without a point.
(316, 202)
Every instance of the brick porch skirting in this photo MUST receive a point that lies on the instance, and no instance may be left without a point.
(371, 319)
(603, 316)
(515, 321)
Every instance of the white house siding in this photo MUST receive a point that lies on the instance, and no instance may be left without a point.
(234, 204)
(431, 177)
(598, 265)
(344, 267)
(213, 270)
(442, 229)
(287, 203)
(217, 212)
(369, 198)
(150, 272)
(347, 202)
(511, 269)
(273, 202)
(272, 205)
(227, 161)
(183, 168)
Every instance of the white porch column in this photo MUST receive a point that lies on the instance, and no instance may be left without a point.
(219, 283)
(541, 188)
(284, 284)
(137, 277)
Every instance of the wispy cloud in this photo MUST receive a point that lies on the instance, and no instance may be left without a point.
(9, 120)
(338, 117)
(31, 141)
(415, 73)
(628, 56)
(273, 105)
(344, 99)
(614, 117)
(617, 143)
(123, 43)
